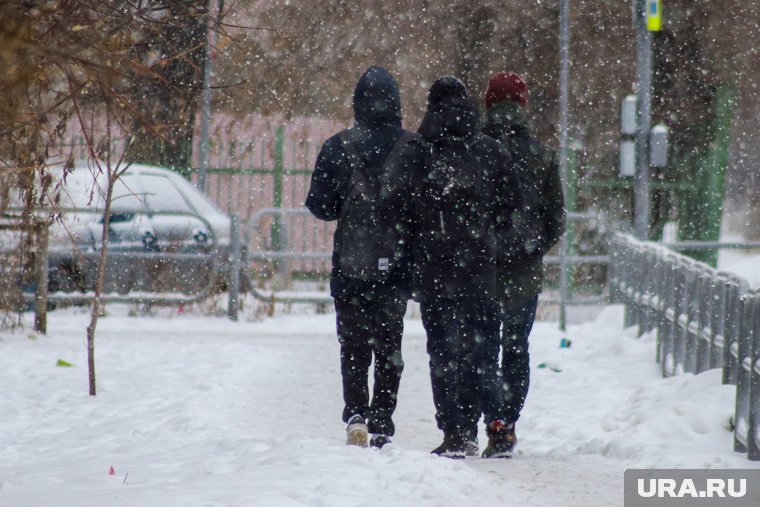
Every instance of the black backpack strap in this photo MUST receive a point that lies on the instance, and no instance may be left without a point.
(356, 162)
(359, 167)
(349, 145)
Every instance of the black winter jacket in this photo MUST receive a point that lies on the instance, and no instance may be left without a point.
(519, 281)
(444, 266)
(377, 114)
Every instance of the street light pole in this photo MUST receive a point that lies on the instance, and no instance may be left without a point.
(564, 73)
(644, 93)
(208, 76)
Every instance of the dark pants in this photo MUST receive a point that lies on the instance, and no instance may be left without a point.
(514, 374)
(371, 324)
(455, 333)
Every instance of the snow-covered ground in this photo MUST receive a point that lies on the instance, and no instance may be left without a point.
(200, 411)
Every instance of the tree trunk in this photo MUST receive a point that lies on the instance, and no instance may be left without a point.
(97, 302)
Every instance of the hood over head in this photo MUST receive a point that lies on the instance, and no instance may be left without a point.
(451, 113)
(377, 101)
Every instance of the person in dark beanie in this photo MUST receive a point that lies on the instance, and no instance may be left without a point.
(465, 185)
(362, 179)
(520, 270)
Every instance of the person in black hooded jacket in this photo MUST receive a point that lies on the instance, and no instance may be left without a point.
(465, 186)
(362, 179)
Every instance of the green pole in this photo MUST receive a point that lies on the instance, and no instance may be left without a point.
(566, 242)
(716, 164)
(278, 244)
(279, 171)
(701, 209)
(570, 198)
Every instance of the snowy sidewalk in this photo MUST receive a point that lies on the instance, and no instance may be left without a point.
(199, 411)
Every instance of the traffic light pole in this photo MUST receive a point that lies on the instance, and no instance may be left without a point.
(644, 93)
(212, 23)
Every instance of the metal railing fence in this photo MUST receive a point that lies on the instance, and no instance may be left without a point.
(704, 319)
(206, 262)
(291, 251)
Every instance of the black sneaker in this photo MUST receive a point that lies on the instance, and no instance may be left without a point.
(501, 439)
(452, 447)
(470, 436)
(471, 448)
(379, 440)
(356, 431)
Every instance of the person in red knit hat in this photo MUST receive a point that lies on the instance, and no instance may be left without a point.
(506, 86)
(520, 261)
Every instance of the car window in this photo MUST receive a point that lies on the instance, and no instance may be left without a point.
(127, 194)
(162, 196)
(198, 200)
(83, 189)
(78, 190)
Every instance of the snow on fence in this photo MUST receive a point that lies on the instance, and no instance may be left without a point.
(704, 319)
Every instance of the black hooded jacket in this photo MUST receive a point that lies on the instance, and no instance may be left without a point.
(446, 263)
(377, 115)
(520, 280)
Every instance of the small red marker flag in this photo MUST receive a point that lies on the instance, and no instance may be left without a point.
(111, 471)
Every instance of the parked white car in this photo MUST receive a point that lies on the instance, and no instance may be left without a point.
(153, 211)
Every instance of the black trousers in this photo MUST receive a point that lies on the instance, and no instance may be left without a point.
(455, 335)
(513, 372)
(371, 325)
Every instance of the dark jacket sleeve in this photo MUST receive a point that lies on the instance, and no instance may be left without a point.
(329, 181)
(553, 212)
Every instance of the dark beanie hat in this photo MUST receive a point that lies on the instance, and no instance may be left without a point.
(446, 88)
(506, 86)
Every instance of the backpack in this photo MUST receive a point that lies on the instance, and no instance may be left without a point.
(524, 237)
(453, 208)
(373, 233)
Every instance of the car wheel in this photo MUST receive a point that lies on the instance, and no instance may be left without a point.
(65, 277)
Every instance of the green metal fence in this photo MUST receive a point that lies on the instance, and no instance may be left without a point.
(272, 170)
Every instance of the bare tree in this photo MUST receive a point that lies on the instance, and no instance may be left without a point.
(86, 62)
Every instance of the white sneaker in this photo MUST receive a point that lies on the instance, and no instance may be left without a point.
(357, 431)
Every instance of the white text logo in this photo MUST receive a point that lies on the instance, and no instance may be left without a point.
(716, 488)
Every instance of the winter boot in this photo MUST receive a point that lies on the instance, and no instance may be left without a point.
(379, 440)
(356, 431)
(501, 439)
(452, 447)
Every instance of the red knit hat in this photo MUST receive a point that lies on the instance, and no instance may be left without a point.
(506, 86)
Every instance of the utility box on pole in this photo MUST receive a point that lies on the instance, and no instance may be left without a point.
(628, 136)
(628, 115)
(658, 146)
